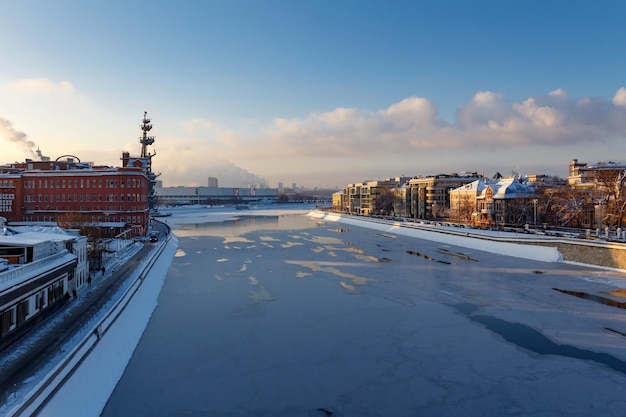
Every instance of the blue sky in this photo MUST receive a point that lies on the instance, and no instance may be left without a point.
(320, 93)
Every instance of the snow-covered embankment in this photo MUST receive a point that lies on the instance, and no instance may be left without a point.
(467, 240)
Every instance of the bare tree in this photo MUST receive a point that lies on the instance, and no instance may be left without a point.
(610, 194)
(386, 199)
(519, 211)
(562, 205)
(467, 206)
(95, 242)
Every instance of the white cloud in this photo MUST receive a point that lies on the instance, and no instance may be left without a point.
(619, 99)
(410, 111)
(41, 85)
(541, 116)
(560, 93)
(486, 108)
(487, 99)
(412, 125)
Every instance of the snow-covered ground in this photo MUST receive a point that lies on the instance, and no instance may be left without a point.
(283, 315)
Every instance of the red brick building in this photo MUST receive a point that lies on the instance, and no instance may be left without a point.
(113, 199)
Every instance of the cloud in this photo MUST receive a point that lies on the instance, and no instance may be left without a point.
(41, 86)
(541, 116)
(485, 108)
(190, 161)
(560, 93)
(486, 121)
(619, 99)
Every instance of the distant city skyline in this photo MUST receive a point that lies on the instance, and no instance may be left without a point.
(318, 93)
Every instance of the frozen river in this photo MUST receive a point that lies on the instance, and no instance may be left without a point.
(282, 315)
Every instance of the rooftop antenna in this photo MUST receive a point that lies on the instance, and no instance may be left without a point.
(145, 140)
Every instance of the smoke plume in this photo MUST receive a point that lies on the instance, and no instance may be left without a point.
(15, 136)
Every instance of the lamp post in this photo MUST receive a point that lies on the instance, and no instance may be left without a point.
(535, 212)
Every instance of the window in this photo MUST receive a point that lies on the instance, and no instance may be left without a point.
(39, 301)
(22, 312)
(7, 321)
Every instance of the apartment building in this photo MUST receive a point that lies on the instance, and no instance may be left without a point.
(429, 197)
(583, 175)
(370, 197)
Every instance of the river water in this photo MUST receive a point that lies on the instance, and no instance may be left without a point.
(277, 314)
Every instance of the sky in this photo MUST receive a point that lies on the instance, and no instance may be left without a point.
(317, 93)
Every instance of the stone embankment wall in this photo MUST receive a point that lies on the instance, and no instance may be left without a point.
(606, 254)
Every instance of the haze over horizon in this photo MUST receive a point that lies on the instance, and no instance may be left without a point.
(321, 94)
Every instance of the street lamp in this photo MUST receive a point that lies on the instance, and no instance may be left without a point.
(535, 212)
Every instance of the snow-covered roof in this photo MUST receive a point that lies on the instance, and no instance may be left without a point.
(33, 238)
(503, 188)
